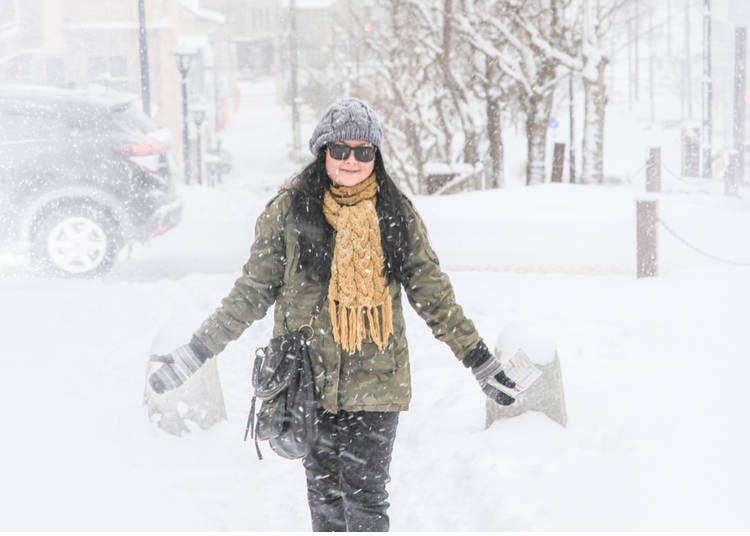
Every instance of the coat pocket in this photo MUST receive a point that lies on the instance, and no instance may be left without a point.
(375, 363)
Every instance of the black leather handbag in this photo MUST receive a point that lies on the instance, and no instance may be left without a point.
(283, 381)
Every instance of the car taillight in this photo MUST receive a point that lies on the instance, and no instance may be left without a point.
(142, 149)
(149, 156)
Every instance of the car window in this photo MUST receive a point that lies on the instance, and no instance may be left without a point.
(131, 119)
(86, 119)
(22, 120)
(21, 127)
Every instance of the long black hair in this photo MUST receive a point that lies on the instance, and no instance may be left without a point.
(316, 235)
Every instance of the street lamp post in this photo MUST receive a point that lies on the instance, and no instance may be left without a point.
(184, 57)
(143, 56)
(215, 175)
(707, 127)
(293, 66)
(199, 115)
(572, 111)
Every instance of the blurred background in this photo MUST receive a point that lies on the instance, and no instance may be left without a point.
(452, 78)
(110, 109)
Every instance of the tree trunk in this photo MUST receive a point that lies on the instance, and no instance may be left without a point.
(418, 156)
(444, 60)
(595, 92)
(471, 141)
(495, 138)
(447, 129)
(537, 120)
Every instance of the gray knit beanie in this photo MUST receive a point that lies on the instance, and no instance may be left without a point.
(347, 119)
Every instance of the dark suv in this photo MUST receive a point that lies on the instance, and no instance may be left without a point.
(82, 174)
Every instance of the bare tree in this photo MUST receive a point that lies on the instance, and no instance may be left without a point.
(445, 73)
(550, 38)
(492, 86)
(400, 86)
(599, 16)
(529, 40)
(428, 94)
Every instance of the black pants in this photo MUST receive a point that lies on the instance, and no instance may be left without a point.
(347, 471)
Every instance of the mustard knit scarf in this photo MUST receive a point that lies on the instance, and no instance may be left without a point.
(358, 295)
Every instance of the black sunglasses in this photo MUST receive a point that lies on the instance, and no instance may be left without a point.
(341, 151)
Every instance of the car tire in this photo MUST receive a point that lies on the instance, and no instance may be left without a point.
(79, 241)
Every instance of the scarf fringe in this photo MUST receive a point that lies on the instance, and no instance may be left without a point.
(349, 329)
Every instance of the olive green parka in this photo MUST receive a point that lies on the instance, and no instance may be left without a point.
(366, 380)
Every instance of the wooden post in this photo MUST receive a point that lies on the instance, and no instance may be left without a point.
(732, 174)
(691, 151)
(647, 238)
(558, 162)
(653, 170)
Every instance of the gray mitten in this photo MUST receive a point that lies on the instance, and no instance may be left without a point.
(488, 371)
(178, 365)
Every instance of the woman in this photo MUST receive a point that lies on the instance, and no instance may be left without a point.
(343, 222)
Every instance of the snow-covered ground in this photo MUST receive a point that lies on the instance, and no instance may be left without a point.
(655, 371)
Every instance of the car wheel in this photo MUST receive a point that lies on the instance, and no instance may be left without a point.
(79, 242)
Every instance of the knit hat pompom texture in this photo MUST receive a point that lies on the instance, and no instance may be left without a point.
(347, 119)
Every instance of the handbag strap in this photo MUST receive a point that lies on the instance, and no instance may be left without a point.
(317, 306)
(321, 300)
(324, 292)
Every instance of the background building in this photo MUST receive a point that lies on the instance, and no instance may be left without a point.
(77, 43)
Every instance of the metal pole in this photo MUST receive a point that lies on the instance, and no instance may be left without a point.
(216, 177)
(217, 104)
(688, 61)
(219, 171)
(669, 28)
(185, 135)
(740, 59)
(731, 174)
(356, 63)
(637, 50)
(293, 75)
(199, 161)
(215, 81)
(707, 131)
(630, 65)
(143, 54)
(651, 62)
(572, 149)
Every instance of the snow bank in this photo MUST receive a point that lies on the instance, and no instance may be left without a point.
(654, 374)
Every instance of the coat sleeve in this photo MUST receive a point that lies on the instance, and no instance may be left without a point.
(256, 289)
(430, 292)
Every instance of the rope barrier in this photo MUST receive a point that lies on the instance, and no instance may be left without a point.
(700, 182)
(698, 250)
(630, 178)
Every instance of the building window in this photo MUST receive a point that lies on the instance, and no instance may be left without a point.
(118, 66)
(97, 67)
(55, 71)
(7, 14)
(110, 71)
(18, 69)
